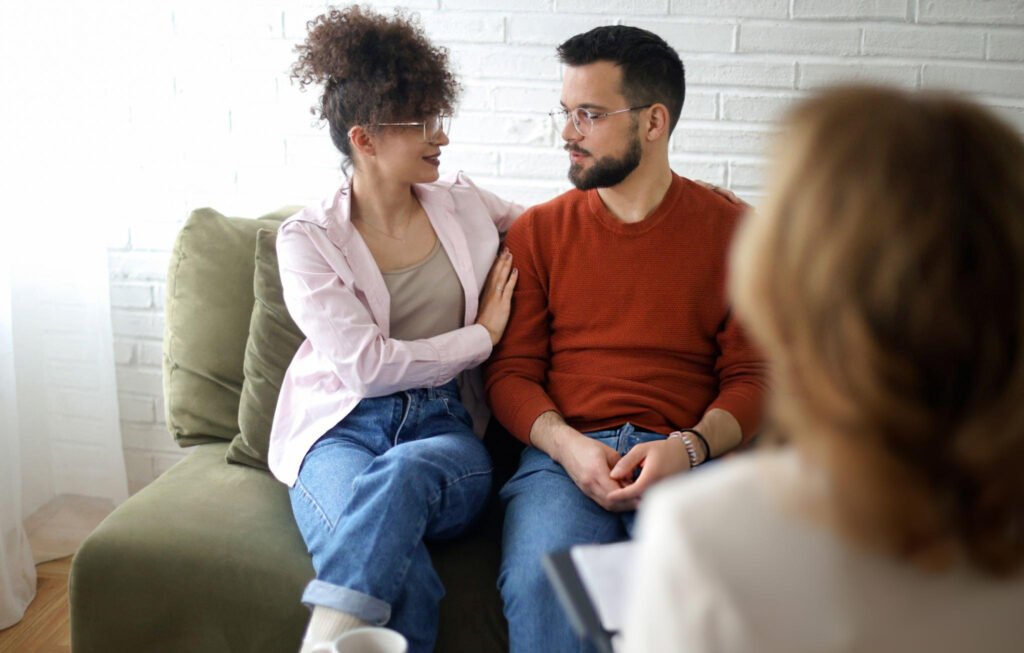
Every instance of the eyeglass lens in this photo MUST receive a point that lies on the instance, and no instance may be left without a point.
(579, 117)
(435, 125)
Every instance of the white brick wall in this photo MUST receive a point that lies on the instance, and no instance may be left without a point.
(211, 119)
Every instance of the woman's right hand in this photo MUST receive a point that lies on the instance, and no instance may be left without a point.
(496, 297)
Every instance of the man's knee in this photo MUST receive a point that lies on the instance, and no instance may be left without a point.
(522, 579)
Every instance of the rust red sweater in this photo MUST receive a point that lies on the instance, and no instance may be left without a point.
(614, 322)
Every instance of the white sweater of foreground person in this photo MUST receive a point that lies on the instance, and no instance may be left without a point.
(729, 561)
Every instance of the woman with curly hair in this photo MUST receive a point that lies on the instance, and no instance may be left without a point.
(884, 281)
(391, 281)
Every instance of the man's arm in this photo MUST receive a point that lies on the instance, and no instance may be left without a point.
(669, 457)
(515, 379)
(741, 384)
(514, 376)
(731, 419)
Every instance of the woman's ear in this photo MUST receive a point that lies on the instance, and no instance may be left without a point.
(361, 141)
(657, 122)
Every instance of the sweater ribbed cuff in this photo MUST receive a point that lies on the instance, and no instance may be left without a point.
(524, 415)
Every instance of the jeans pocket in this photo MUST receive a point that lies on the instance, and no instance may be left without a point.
(456, 410)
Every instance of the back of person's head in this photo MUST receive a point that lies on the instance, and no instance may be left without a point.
(374, 69)
(651, 69)
(884, 280)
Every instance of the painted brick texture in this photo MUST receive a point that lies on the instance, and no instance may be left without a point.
(213, 119)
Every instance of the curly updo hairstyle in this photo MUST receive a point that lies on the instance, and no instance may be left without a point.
(374, 69)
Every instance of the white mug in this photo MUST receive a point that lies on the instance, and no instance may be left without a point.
(366, 640)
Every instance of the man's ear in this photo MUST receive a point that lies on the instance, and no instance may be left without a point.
(658, 120)
(361, 141)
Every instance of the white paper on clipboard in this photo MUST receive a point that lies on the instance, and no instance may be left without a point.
(605, 570)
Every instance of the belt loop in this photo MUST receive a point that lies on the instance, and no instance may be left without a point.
(622, 442)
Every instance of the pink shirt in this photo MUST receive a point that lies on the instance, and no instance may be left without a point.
(337, 297)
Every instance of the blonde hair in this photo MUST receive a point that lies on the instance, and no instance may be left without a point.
(884, 281)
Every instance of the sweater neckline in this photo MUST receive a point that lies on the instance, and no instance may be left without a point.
(613, 224)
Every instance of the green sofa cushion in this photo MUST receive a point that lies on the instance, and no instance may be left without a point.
(273, 341)
(207, 558)
(209, 303)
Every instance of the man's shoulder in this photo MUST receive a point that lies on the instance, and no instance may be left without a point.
(708, 208)
(544, 216)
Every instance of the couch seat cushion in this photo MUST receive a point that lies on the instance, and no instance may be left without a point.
(208, 558)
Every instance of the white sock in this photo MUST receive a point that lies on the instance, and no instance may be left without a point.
(326, 624)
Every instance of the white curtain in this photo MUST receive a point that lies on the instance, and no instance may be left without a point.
(59, 422)
(17, 574)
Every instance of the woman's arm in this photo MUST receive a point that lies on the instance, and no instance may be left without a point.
(342, 330)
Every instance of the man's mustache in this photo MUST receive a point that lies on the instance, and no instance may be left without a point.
(571, 147)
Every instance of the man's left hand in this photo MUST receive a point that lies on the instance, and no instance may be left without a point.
(656, 461)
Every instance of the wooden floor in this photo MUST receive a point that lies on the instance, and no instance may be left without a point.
(45, 627)
(54, 532)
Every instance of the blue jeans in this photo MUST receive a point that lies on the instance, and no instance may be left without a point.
(396, 470)
(544, 512)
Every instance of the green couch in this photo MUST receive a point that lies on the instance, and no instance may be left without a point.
(208, 557)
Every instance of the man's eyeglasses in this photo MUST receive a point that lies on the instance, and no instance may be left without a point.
(433, 126)
(583, 119)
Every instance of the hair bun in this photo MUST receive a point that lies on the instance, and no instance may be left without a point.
(374, 69)
(353, 42)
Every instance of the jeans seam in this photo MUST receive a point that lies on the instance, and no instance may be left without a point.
(448, 409)
(407, 558)
(311, 500)
(405, 416)
(453, 481)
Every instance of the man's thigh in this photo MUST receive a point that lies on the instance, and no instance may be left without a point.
(545, 511)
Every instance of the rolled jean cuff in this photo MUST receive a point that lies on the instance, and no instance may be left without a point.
(368, 608)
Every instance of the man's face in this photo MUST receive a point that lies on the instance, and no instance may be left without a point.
(611, 149)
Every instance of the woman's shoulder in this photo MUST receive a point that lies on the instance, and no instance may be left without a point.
(319, 213)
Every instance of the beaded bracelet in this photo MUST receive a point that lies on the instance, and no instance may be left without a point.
(691, 450)
(703, 441)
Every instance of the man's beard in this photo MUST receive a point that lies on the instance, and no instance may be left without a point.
(607, 171)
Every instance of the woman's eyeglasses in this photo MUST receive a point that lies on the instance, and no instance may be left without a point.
(433, 127)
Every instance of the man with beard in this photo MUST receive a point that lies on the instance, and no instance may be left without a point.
(621, 364)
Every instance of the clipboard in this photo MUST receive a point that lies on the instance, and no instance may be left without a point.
(582, 613)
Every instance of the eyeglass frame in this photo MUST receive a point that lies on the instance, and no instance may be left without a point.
(444, 124)
(570, 115)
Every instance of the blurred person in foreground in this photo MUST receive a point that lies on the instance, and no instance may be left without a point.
(884, 281)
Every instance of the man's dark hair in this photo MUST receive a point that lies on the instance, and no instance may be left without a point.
(651, 69)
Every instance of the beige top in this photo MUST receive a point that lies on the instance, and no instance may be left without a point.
(426, 298)
(726, 563)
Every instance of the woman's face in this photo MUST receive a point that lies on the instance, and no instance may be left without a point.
(403, 155)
